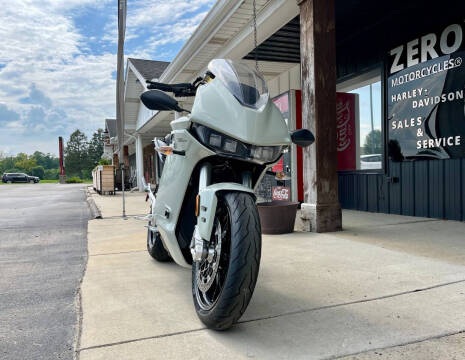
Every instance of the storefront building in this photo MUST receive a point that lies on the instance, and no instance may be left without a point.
(405, 66)
(138, 149)
(381, 84)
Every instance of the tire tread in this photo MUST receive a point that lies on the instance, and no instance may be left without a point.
(244, 264)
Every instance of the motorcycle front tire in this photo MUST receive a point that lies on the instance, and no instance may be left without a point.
(242, 253)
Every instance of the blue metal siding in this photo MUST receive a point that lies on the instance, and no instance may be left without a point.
(453, 189)
(436, 189)
(383, 193)
(408, 189)
(362, 192)
(421, 188)
(395, 198)
(372, 199)
(432, 188)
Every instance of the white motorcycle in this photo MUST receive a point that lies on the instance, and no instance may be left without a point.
(203, 211)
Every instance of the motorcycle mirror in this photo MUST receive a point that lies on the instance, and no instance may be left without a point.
(302, 137)
(158, 100)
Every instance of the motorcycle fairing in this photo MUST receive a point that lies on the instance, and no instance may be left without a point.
(174, 180)
(216, 108)
(208, 202)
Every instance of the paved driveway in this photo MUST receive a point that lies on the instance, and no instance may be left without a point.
(43, 250)
(388, 287)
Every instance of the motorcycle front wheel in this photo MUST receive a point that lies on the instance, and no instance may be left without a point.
(223, 284)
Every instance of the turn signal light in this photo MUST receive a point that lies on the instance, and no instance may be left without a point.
(281, 176)
(197, 204)
(167, 150)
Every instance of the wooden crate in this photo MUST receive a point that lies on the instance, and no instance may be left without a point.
(104, 179)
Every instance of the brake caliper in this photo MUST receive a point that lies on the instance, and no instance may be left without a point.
(199, 248)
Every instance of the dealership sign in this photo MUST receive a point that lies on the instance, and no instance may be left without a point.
(425, 97)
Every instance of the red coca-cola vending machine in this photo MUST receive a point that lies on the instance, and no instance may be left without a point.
(348, 142)
(291, 185)
(348, 139)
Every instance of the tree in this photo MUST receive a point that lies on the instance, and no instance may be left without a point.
(81, 157)
(25, 163)
(48, 161)
(38, 171)
(76, 154)
(95, 148)
(52, 174)
(373, 143)
(7, 164)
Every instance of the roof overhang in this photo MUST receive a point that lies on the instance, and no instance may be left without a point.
(227, 32)
(134, 85)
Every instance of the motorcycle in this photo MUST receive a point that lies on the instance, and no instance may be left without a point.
(203, 211)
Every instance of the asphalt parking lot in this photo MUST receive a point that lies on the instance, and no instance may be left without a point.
(43, 251)
(387, 287)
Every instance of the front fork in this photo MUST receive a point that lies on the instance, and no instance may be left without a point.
(199, 247)
(205, 208)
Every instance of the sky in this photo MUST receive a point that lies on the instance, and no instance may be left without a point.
(58, 62)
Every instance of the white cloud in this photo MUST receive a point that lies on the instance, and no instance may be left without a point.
(42, 48)
(153, 24)
(142, 13)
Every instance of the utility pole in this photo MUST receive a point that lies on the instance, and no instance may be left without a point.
(62, 161)
(122, 5)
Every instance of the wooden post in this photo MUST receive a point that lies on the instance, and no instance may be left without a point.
(126, 156)
(321, 211)
(62, 160)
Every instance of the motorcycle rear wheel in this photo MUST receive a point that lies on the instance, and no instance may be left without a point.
(237, 262)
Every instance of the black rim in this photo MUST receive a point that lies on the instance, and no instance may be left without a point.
(205, 271)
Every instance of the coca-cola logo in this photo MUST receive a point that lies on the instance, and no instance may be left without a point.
(280, 193)
(344, 129)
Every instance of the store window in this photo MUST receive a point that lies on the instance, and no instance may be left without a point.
(359, 109)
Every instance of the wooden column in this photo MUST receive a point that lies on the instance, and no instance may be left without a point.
(321, 211)
(126, 156)
(115, 160)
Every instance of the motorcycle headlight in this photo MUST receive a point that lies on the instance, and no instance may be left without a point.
(230, 147)
(266, 154)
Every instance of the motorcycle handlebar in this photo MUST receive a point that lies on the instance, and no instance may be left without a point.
(182, 89)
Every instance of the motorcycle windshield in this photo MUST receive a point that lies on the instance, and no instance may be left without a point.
(246, 84)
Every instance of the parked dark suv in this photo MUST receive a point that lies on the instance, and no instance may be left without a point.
(19, 177)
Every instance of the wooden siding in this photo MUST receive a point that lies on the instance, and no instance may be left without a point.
(104, 179)
(431, 188)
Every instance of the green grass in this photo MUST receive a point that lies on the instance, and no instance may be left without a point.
(84, 181)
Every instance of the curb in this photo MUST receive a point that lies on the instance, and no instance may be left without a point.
(95, 211)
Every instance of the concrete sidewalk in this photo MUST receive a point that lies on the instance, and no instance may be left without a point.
(386, 287)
